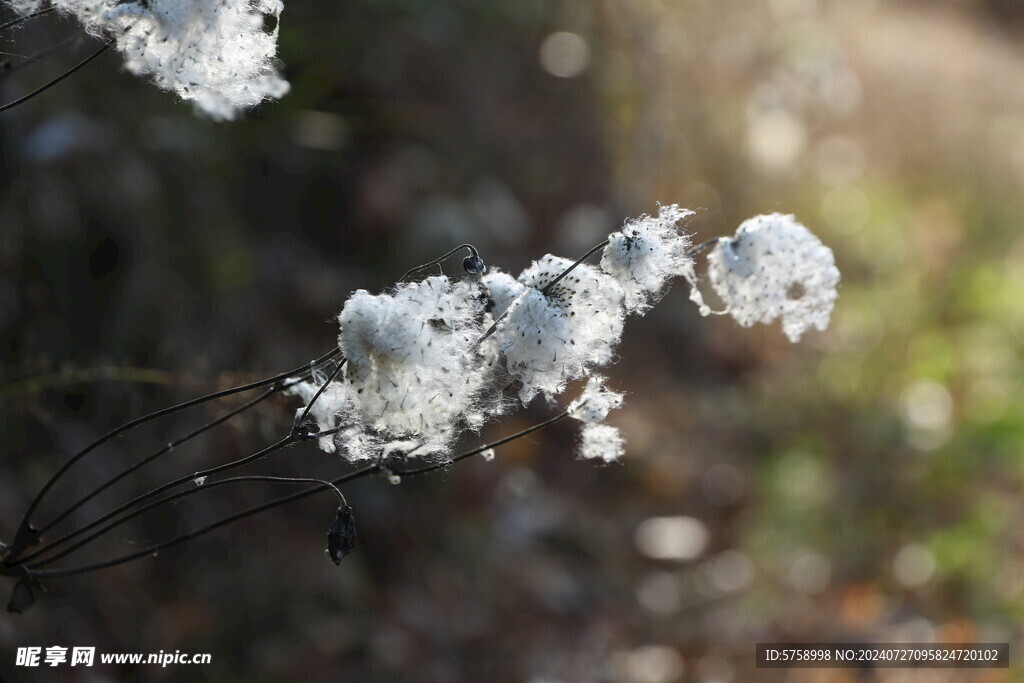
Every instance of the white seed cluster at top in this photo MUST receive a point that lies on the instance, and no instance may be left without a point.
(647, 254)
(214, 53)
(429, 360)
(774, 267)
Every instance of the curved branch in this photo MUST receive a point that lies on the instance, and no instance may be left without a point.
(40, 90)
(472, 250)
(27, 535)
(352, 476)
(14, 22)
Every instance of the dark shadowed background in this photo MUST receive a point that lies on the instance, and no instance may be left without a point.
(864, 484)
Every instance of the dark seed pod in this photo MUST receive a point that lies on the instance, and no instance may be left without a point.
(474, 265)
(341, 537)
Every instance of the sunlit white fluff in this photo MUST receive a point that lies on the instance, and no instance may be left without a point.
(601, 442)
(596, 401)
(413, 367)
(550, 338)
(502, 289)
(420, 369)
(774, 267)
(647, 254)
(214, 53)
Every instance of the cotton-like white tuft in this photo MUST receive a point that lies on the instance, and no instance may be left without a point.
(355, 444)
(413, 369)
(596, 401)
(772, 268)
(214, 53)
(551, 338)
(502, 289)
(427, 361)
(646, 254)
(601, 442)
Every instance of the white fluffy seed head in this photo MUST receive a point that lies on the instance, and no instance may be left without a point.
(646, 254)
(413, 368)
(601, 442)
(551, 338)
(596, 401)
(774, 267)
(419, 372)
(214, 53)
(502, 289)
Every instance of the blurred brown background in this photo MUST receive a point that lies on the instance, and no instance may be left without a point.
(862, 485)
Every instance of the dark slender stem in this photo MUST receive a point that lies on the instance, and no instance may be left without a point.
(166, 449)
(178, 496)
(596, 248)
(40, 90)
(14, 22)
(494, 326)
(351, 476)
(27, 60)
(693, 251)
(480, 449)
(23, 537)
(203, 474)
(283, 443)
(471, 248)
(319, 392)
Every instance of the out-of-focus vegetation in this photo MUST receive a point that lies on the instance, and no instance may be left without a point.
(862, 485)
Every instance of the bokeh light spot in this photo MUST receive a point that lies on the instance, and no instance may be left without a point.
(564, 54)
(672, 538)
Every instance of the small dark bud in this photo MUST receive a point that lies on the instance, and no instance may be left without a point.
(474, 265)
(341, 538)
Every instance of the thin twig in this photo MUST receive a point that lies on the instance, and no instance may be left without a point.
(200, 488)
(494, 326)
(480, 449)
(38, 382)
(25, 535)
(571, 268)
(693, 251)
(319, 392)
(166, 449)
(283, 443)
(8, 68)
(352, 476)
(14, 22)
(424, 266)
(40, 90)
